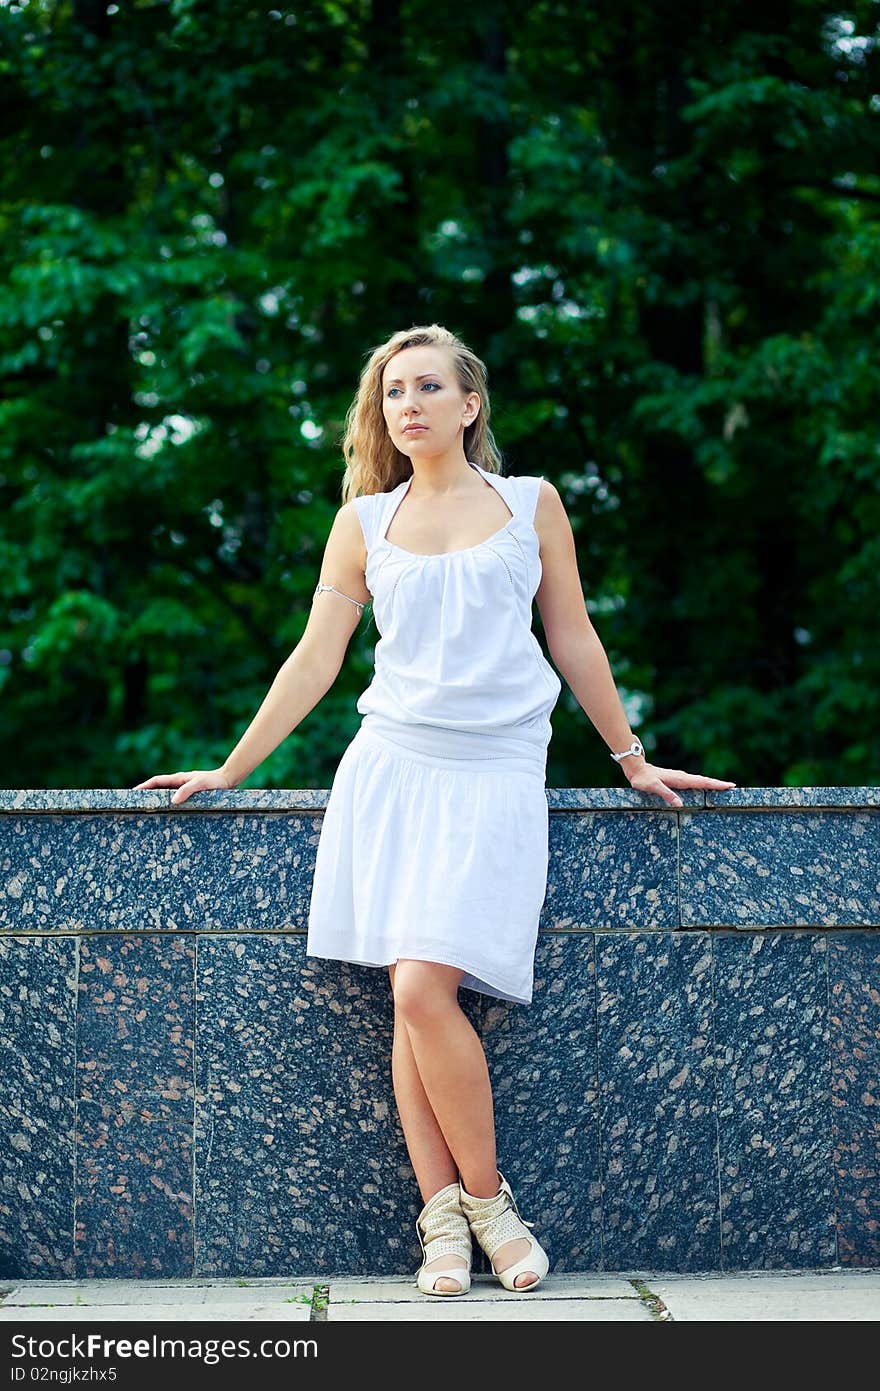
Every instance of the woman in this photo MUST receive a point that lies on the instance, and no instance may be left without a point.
(432, 858)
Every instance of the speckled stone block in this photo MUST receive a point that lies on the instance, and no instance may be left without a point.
(854, 994)
(845, 798)
(135, 1058)
(657, 1101)
(612, 869)
(780, 869)
(774, 1100)
(38, 1039)
(301, 1162)
(694, 1086)
(546, 1101)
(158, 872)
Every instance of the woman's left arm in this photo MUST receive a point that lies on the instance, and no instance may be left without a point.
(581, 659)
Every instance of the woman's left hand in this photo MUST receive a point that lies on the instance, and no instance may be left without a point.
(661, 781)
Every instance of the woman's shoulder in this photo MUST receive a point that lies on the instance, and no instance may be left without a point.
(516, 480)
(524, 492)
(367, 499)
(525, 483)
(532, 478)
(370, 509)
(530, 487)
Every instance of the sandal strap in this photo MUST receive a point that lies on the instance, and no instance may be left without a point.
(447, 1245)
(493, 1231)
(442, 1227)
(495, 1220)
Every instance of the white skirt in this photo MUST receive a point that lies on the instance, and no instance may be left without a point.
(434, 846)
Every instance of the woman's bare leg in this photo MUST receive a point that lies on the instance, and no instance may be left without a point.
(443, 1093)
(428, 1151)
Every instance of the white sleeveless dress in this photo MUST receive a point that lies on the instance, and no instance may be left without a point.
(434, 841)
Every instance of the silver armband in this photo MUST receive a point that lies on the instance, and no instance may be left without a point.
(359, 606)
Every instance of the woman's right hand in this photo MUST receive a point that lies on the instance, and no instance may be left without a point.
(186, 783)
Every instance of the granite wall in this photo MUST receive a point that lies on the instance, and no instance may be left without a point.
(694, 1087)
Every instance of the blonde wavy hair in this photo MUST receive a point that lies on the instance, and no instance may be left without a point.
(373, 463)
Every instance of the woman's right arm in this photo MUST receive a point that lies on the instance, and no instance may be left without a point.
(309, 671)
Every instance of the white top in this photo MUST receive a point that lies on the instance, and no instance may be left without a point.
(456, 646)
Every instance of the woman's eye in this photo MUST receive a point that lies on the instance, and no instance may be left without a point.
(392, 389)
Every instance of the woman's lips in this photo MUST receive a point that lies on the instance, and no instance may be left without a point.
(414, 429)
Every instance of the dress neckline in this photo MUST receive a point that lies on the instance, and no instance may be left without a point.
(461, 550)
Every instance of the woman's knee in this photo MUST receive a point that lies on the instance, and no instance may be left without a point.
(424, 989)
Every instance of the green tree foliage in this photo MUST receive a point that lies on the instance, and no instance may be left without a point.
(660, 225)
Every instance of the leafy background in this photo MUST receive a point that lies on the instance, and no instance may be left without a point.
(659, 225)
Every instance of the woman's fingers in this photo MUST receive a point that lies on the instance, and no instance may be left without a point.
(677, 777)
(662, 782)
(196, 780)
(163, 780)
(668, 795)
(187, 790)
(650, 780)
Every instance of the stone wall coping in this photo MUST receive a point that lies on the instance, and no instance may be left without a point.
(92, 799)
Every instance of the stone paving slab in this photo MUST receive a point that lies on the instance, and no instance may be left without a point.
(460, 1308)
(402, 1289)
(157, 1313)
(770, 1297)
(194, 1294)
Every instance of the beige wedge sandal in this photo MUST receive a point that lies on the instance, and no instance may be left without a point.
(446, 1232)
(496, 1220)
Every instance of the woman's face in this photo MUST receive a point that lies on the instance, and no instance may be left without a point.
(420, 387)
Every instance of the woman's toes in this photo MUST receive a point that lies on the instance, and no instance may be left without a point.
(447, 1284)
(508, 1254)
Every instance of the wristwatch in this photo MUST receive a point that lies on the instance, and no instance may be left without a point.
(635, 747)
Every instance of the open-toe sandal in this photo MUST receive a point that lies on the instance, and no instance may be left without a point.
(496, 1220)
(443, 1230)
